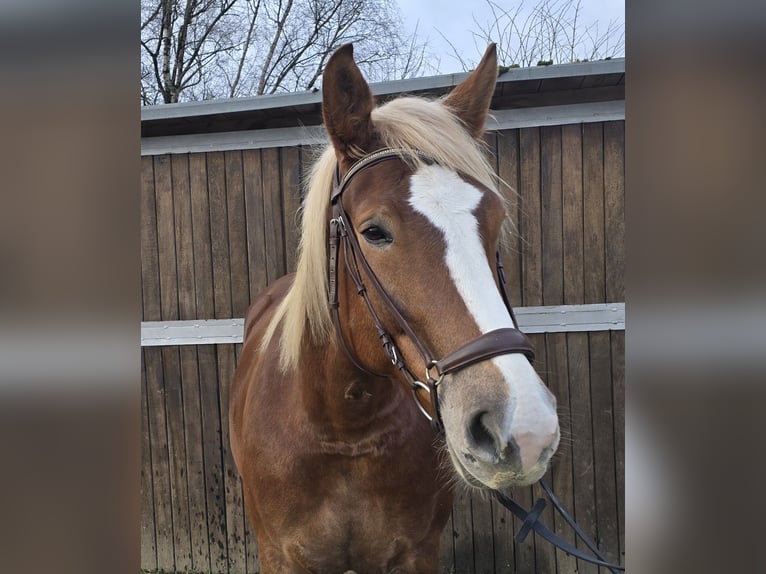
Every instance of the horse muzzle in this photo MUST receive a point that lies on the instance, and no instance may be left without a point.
(498, 437)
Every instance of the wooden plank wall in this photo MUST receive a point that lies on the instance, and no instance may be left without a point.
(217, 227)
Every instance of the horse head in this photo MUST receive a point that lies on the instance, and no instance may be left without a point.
(428, 225)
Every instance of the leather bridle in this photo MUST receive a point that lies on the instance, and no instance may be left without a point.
(497, 342)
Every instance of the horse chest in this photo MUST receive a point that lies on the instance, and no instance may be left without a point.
(362, 532)
(373, 513)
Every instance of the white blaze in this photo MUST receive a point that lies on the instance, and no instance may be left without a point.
(448, 202)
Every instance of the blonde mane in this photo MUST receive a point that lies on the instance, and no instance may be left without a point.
(410, 124)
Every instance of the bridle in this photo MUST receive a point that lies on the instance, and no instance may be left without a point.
(497, 342)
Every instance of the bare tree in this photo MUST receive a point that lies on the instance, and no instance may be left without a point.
(550, 32)
(180, 38)
(227, 48)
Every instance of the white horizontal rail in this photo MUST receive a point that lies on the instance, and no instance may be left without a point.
(202, 332)
(552, 319)
(572, 318)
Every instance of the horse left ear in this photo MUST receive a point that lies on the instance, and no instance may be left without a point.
(471, 98)
(346, 105)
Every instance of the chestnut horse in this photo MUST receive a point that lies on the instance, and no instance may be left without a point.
(341, 469)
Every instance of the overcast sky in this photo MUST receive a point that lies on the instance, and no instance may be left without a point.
(455, 19)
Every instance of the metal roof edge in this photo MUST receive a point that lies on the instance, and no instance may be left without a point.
(444, 81)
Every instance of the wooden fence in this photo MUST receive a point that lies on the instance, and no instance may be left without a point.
(219, 226)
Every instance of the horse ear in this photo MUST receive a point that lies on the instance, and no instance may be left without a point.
(471, 98)
(346, 104)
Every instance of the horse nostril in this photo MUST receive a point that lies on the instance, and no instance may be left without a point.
(480, 437)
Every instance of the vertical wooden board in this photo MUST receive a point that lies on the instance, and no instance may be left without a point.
(584, 508)
(171, 369)
(256, 243)
(603, 444)
(483, 537)
(157, 447)
(462, 530)
(199, 556)
(213, 407)
(578, 434)
(163, 512)
(561, 468)
(502, 532)
(219, 235)
(618, 385)
(545, 553)
(195, 468)
(291, 200)
(272, 212)
(552, 215)
(447, 548)
(508, 170)
(148, 534)
(571, 184)
(235, 207)
(524, 552)
(614, 208)
(235, 520)
(177, 457)
(214, 477)
(531, 217)
(187, 308)
(593, 213)
(203, 278)
(166, 243)
(203, 266)
(224, 302)
(150, 274)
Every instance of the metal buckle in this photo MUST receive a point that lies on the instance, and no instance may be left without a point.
(414, 384)
(338, 221)
(429, 378)
(390, 350)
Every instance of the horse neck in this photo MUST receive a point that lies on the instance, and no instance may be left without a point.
(341, 401)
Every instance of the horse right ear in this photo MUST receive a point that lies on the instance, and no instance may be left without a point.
(346, 105)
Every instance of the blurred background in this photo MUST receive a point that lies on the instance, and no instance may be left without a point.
(73, 82)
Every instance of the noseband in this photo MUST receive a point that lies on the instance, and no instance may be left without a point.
(498, 342)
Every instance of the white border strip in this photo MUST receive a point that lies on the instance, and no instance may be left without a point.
(572, 318)
(552, 319)
(201, 332)
(313, 135)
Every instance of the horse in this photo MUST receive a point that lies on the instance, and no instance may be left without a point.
(394, 325)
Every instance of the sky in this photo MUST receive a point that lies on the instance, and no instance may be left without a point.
(455, 19)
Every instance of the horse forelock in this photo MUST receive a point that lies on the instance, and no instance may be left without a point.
(414, 125)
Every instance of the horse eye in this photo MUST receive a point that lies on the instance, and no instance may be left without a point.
(376, 236)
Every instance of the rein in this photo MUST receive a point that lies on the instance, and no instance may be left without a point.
(491, 344)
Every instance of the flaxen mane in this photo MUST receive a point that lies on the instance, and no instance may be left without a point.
(410, 124)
